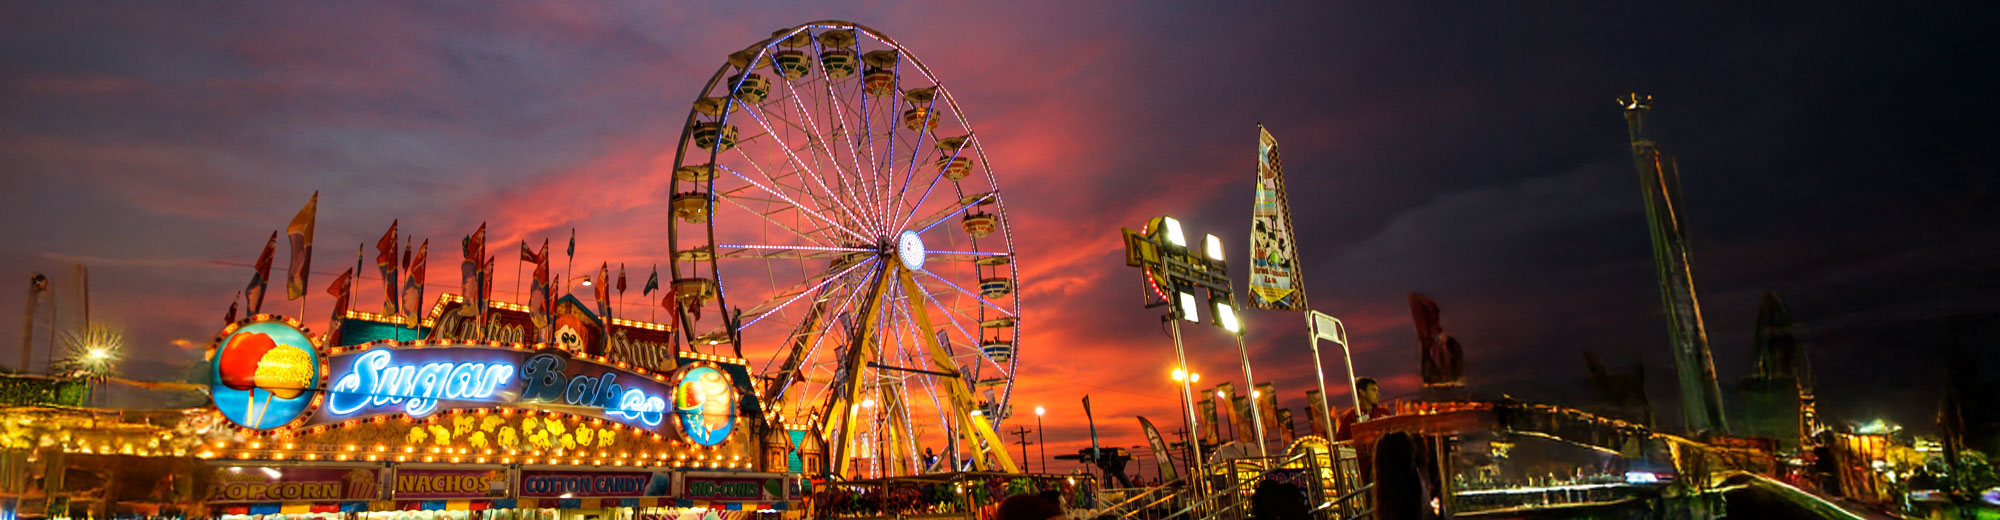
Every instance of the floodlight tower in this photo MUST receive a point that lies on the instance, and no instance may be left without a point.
(1660, 181)
(1174, 273)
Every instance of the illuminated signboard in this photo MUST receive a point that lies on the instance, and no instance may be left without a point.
(294, 484)
(731, 489)
(449, 483)
(260, 372)
(704, 404)
(566, 484)
(419, 381)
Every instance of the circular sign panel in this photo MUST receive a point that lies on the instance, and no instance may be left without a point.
(704, 405)
(263, 374)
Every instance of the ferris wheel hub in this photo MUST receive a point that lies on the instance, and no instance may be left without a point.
(910, 249)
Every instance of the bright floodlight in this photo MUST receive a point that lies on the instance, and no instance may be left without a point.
(1180, 374)
(1188, 308)
(1218, 393)
(1226, 316)
(1194, 378)
(98, 354)
(1174, 234)
(1214, 248)
(867, 403)
(586, 281)
(1039, 410)
(976, 413)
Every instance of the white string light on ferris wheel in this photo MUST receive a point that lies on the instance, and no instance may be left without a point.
(759, 118)
(808, 211)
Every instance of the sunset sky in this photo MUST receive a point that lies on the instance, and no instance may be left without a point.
(1838, 156)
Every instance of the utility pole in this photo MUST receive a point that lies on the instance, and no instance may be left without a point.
(1022, 432)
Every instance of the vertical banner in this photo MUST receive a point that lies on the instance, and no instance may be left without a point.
(1206, 413)
(1275, 283)
(1285, 426)
(1267, 405)
(1166, 465)
(1315, 415)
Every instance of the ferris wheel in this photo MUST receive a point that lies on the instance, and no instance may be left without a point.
(836, 224)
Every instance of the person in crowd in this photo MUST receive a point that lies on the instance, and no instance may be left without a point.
(1274, 500)
(1028, 507)
(1370, 394)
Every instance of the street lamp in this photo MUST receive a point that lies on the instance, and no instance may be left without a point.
(1041, 439)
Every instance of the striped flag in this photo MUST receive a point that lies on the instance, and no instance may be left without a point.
(473, 260)
(652, 283)
(385, 260)
(260, 278)
(413, 288)
(538, 294)
(301, 234)
(341, 291)
(603, 287)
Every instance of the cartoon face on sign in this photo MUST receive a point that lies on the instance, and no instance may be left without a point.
(261, 374)
(705, 405)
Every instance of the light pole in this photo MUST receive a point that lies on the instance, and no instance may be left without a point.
(1183, 376)
(1040, 438)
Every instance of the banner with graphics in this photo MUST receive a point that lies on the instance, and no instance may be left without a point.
(1205, 411)
(294, 484)
(1275, 283)
(581, 484)
(1160, 452)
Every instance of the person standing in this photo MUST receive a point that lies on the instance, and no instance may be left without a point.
(1370, 394)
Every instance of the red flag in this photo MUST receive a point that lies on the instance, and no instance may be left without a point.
(301, 234)
(529, 255)
(621, 278)
(385, 260)
(261, 278)
(473, 248)
(486, 281)
(340, 291)
(231, 317)
(673, 306)
(413, 289)
(538, 293)
(603, 287)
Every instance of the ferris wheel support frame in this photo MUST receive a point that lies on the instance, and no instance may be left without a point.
(974, 431)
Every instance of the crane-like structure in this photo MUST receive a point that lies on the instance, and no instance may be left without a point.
(1660, 184)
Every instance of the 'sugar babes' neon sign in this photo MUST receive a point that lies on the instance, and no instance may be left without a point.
(421, 381)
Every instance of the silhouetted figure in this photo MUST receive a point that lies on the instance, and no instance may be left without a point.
(1275, 500)
(1400, 486)
(1027, 507)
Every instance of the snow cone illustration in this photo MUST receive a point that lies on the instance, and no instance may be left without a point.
(705, 405)
(261, 374)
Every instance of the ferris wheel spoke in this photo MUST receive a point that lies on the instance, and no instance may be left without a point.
(754, 115)
(808, 211)
(961, 205)
(767, 217)
(756, 314)
(916, 150)
(813, 126)
(833, 320)
(919, 205)
(962, 290)
(818, 142)
(778, 181)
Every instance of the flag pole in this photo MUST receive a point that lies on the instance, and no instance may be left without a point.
(517, 273)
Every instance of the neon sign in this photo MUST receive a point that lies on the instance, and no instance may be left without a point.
(422, 381)
(374, 382)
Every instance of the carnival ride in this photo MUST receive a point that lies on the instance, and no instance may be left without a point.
(826, 177)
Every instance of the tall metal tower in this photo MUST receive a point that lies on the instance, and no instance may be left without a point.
(1659, 180)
